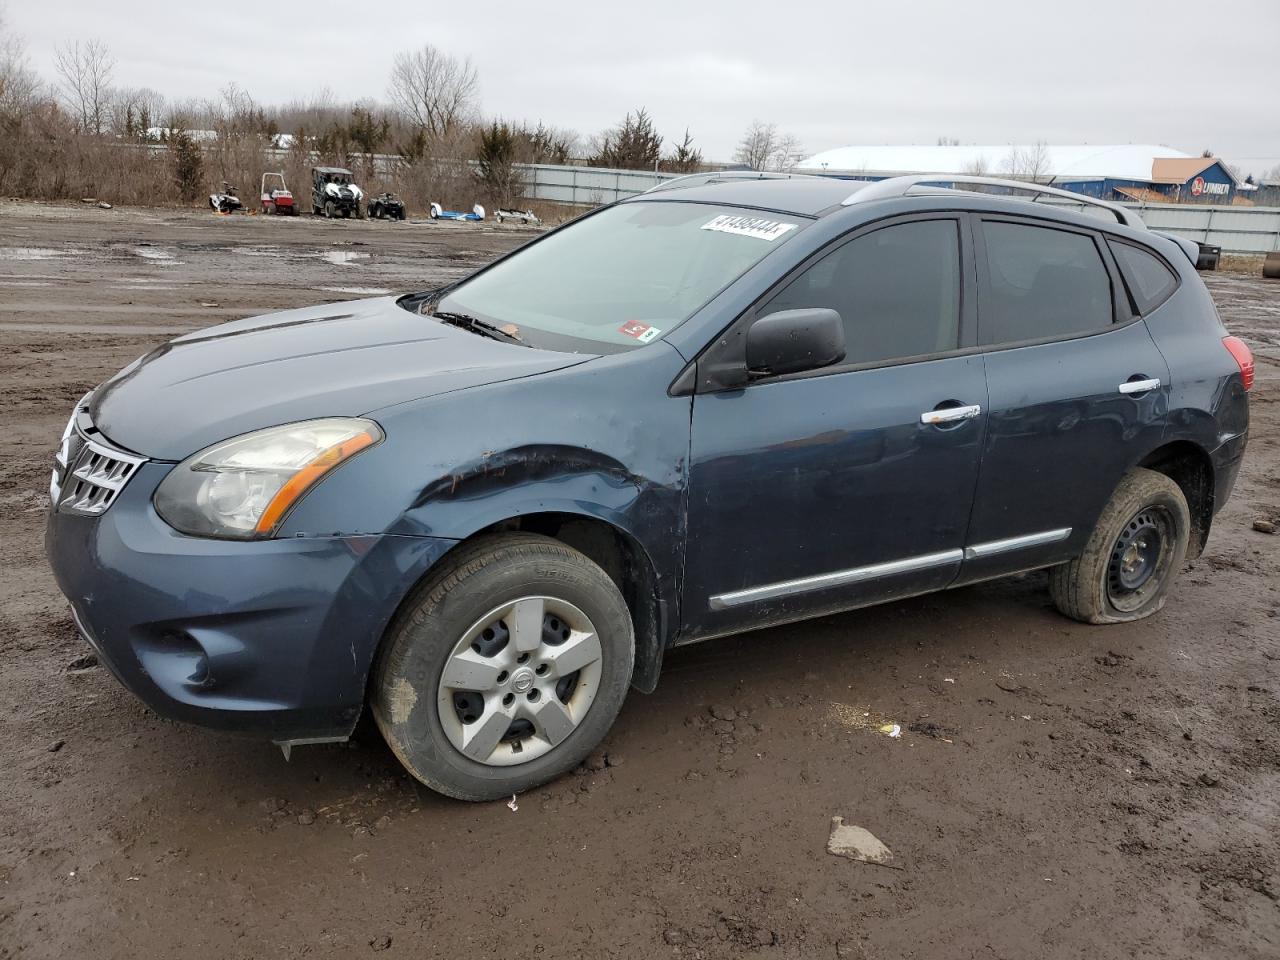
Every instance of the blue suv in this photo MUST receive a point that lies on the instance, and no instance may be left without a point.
(486, 511)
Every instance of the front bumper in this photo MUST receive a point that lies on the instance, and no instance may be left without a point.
(273, 637)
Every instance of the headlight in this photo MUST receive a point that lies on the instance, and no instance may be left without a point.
(244, 487)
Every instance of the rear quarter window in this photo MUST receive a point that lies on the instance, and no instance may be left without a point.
(1150, 280)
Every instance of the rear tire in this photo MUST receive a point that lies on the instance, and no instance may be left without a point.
(554, 706)
(1132, 557)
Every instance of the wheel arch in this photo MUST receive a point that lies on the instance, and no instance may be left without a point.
(624, 558)
(1189, 466)
(617, 551)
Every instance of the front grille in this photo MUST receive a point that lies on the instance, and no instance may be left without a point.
(88, 475)
(96, 478)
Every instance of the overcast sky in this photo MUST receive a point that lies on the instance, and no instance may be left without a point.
(1186, 74)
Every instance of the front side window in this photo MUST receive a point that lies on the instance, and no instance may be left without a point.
(1043, 284)
(623, 277)
(897, 290)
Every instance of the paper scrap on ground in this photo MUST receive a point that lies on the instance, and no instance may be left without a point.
(857, 843)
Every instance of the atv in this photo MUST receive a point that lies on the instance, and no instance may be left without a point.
(333, 194)
(386, 205)
(226, 201)
(277, 199)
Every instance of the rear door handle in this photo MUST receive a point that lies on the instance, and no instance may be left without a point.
(950, 414)
(1139, 386)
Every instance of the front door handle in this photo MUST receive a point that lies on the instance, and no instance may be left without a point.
(950, 414)
(1139, 386)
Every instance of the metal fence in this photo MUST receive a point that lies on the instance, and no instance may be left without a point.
(1234, 229)
(586, 186)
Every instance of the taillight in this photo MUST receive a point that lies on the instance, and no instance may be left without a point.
(1240, 350)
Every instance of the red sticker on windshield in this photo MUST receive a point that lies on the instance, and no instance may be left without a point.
(639, 331)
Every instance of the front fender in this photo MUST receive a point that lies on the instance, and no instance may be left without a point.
(601, 440)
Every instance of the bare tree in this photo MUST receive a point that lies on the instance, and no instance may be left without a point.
(1029, 163)
(758, 146)
(434, 90)
(85, 69)
(948, 141)
(18, 83)
(135, 110)
(19, 93)
(980, 166)
(787, 153)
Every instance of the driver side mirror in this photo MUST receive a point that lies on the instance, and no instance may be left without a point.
(792, 341)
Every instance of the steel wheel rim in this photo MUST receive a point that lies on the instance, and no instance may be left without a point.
(519, 681)
(1140, 558)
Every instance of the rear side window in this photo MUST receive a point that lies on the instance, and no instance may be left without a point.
(1150, 280)
(897, 290)
(1043, 284)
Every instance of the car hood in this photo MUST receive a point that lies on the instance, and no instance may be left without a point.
(342, 359)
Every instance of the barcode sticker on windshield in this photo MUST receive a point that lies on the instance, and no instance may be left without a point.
(757, 227)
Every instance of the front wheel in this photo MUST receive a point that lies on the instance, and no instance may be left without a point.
(1132, 557)
(506, 669)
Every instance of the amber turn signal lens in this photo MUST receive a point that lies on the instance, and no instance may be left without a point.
(309, 476)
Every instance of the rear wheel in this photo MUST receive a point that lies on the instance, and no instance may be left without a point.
(506, 669)
(1132, 557)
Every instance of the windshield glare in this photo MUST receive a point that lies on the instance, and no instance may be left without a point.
(623, 277)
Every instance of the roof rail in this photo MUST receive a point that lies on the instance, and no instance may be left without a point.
(724, 176)
(901, 186)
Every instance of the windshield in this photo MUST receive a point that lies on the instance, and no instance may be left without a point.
(623, 277)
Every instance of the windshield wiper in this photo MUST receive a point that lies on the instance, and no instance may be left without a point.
(476, 325)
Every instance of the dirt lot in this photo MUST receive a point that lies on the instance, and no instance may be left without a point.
(1058, 791)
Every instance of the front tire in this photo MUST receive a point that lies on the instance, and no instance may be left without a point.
(1132, 557)
(505, 669)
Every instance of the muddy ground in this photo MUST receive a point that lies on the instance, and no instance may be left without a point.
(1059, 790)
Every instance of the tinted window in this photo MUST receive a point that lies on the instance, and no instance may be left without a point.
(1044, 283)
(1150, 281)
(897, 290)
